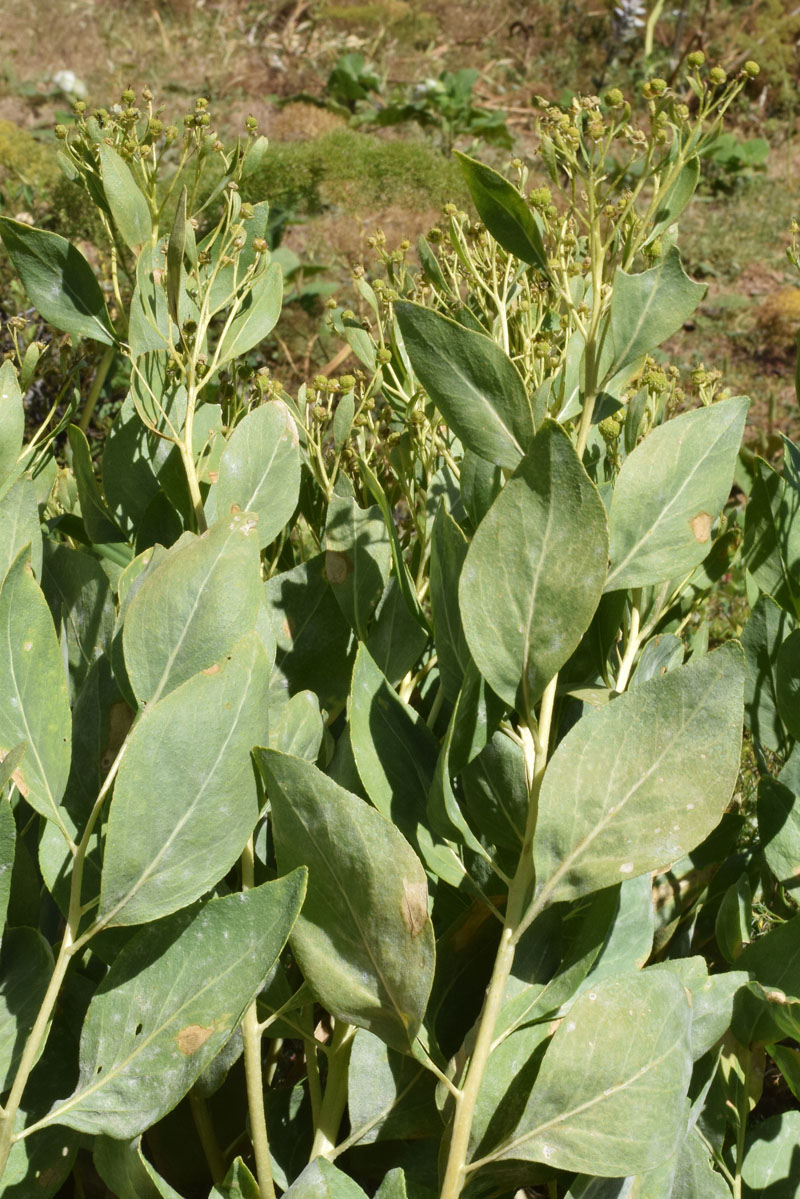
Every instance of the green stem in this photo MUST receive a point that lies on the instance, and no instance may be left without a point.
(207, 1137)
(251, 1036)
(518, 900)
(333, 1104)
(100, 375)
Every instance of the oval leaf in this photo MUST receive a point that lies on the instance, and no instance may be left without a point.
(128, 204)
(12, 422)
(197, 603)
(192, 751)
(34, 705)
(169, 1004)
(638, 783)
(471, 381)
(670, 491)
(257, 317)
(522, 611)
(58, 280)
(260, 469)
(364, 940)
(504, 212)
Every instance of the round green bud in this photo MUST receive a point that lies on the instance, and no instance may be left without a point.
(347, 382)
(696, 59)
(247, 212)
(79, 107)
(128, 96)
(717, 76)
(61, 132)
(201, 102)
(610, 428)
(259, 245)
(251, 124)
(321, 382)
(751, 68)
(155, 127)
(658, 86)
(383, 355)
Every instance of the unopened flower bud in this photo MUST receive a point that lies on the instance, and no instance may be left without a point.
(717, 76)
(614, 98)
(696, 59)
(128, 96)
(751, 68)
(383, 355)
(61, 132)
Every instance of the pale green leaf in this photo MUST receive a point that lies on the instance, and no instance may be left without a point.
(12, 422)
(475, 386)
(523, 615)
(764, 633)
(772, 536)
(193, 607)
(609, 1097)
(300, 729)
(124, 1168)
(322, 1180)
(58, 280)
(638, 783)
(34, 705)
(192, 751)
(257, 317)
(646, 309)
(259, 470)
(670, 491)
(127, 202)
(390, 1095)
(364, 940)
(20, 526)
(97, 520)
(771, 1166)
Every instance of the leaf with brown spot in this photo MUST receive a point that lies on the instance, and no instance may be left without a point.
(192, 1038)
(170, 1002)
(701, 526)
(668, 493)
(337, 567)
(414, 906)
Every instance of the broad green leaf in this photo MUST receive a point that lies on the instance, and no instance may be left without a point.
(58, 280)
(402, 573)
(322, 1180)
(127, 202)
(646, 309)
(364, 940)
(694, 1177)
(523, 615)
(20, 526)
(608, 1098)
(471, 381)
(504, 212)
(170, 1002)
(480, 485)
(390, 1095)
(98, 521)
(193, 607)
(712, 999)
(300, 729)
(448, 551)
(124, 1168)
(762, 637)
(734, 918)
(82, 605)
(257, 317)
(629, 940)
(638, 783)
(771, 1158)
(135, 464)
(774, 959)
(26, 964)
(192, 750)
(444, 814)
(358, 555)
(787, 682)
(260, 469)
(670, 491)
(34, 705)
(772, 537)
(12, 422)
(315, 649)
(779, 830)
(396, 755)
